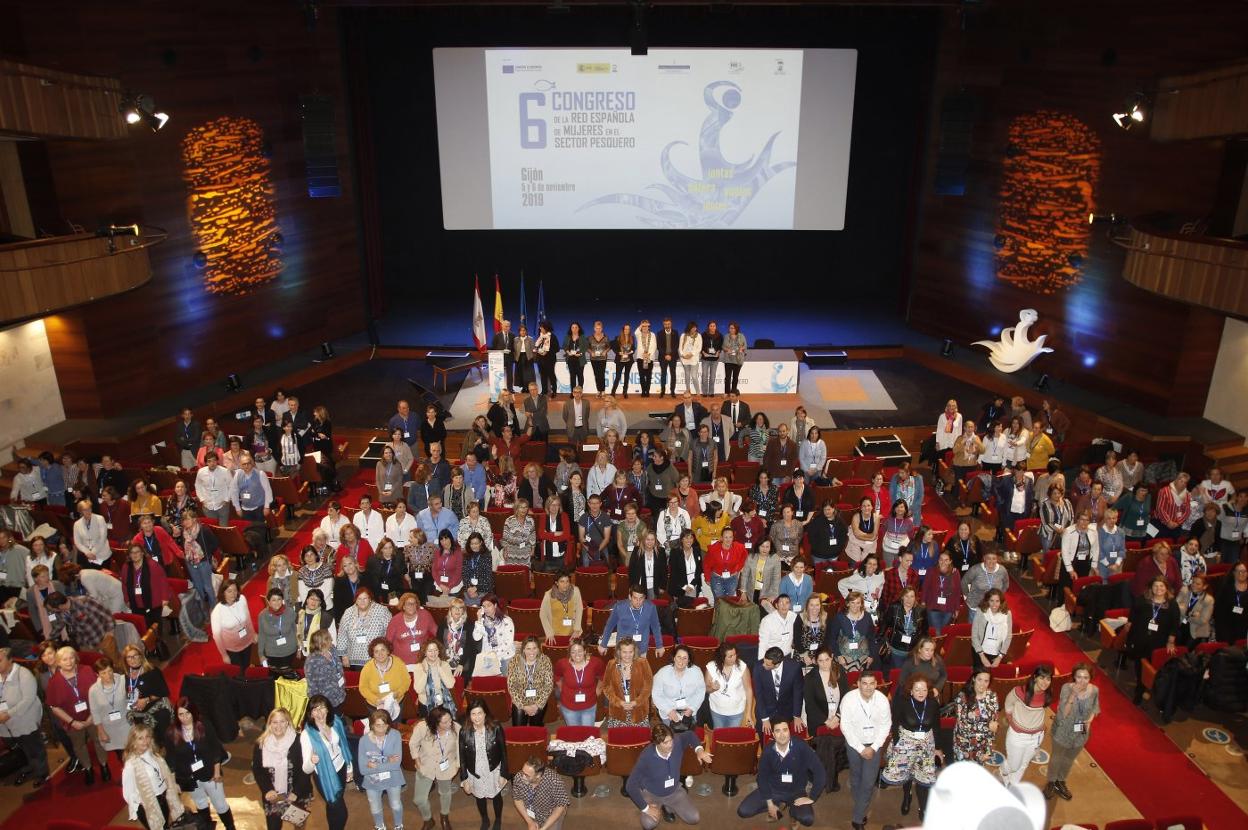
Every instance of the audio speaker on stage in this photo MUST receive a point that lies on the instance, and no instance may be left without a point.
(825, 357)
(319, 152)
(953, 155)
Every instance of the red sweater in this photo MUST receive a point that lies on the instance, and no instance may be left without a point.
(752, 532)
(362, 553)
(569, 686)
(164, 542)
(409, 643)
(153, 594)
(61, 694)
(718, 560)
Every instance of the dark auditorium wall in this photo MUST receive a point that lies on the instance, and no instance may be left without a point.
(1082, 59)
(201, 61)
(391, 73)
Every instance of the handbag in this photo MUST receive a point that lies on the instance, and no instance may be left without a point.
(295, 812)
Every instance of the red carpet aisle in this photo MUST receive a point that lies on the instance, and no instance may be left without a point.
(66, 796)
(1152, 772)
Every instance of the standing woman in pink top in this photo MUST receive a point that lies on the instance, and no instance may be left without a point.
(232, 627)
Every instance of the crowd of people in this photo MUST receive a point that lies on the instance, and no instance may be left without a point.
(398, 595)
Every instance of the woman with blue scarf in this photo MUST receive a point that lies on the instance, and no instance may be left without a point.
(327, 758)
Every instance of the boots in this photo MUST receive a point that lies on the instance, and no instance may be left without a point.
(90, 776)
(905, 799)
(106, 774)
(227, 819)
(428, 825)
(1062, 790)
(446, 823)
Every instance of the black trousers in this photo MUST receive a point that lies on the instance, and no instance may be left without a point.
(645, 371)
(754, 804)
(524, 372)
(335, 811)
(546, 368)
(622, 371)
(242, 659)
(164, 808)
(667, 367)
(600, 374)
(732, 374)
(519, 718)
(576, 373)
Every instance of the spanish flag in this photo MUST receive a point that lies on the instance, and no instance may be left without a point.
(498, 306)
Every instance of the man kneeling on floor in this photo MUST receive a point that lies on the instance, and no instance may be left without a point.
(785, 769)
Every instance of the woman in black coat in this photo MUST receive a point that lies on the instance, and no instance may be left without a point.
(479, 726)
(825, 687)
(293, 788)
(964, 548)
(196, 758)
(1230, 608)
(1153, 624)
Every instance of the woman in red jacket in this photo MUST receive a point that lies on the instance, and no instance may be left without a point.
(722, 564)
(554, 539)
(145, 585)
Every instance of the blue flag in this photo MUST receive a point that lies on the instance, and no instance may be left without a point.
(541, 301)
(523, 310)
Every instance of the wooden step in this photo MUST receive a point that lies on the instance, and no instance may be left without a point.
(1224, 454)
(1234, 468)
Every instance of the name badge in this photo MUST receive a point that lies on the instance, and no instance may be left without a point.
(799, 514)
(618, 511)
(473, 581)
(407, 435)
(418, 574)
(242, 632)
(941, 600)
(628, 698)
(579, 697)
(658, 488)
(108, 525)
(342, 681)
(444, 578)
(762, 514)
(815, 646)
(113, 717)
(784, 462)
(280, 641)
(706, 464)
(637, 638)
(361, 639)
(567, 622)
(1152, 626)
(383, 688)
(868, 732)
(1236, 535)
(682, 703)
(1080, 726)
(906, 638)
(966, 566)
(80, 706)
(197, 765)
(1139, 522)
(444, 765)
(246, 496)
(725, 575)
(389, 487)
(716, 439)
(530, 692)
(1238, 609)
(385, 586)
(749, 545)
(382, 776)
(394, 602)
(784, 548)
(531, 814)
(786, 778)
(668, 783)
(922, 572)
(413, 646)
(1081, 555)
(138, 589)
(853, 645)
(676, 444)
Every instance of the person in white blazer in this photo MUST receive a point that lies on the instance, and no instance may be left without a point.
(691, 356)
(1075, 562)
(948, 426)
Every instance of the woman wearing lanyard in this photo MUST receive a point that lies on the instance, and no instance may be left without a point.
(786, 534)
(379, 759)
(348, 583)
(147, 784)
(410, 629)
(965, 549)
(1078, 703)
(756, 436)
(354, 547)
(863, 532)
(360, 625)
(384, 680)
(109, 707)
(942, 593)
(796, 583)
(455, 636)
(197, 757)
(433, 680)
(679, 690)
(554, 536)
(868, 581)
(495, 634)
(530, 680)
(147, 692)
(67, 698)
(759, 580)
(389, 477)
(418, 559)
(1026, 708)
(577, 677)
(853, 636)
(913, 754)
(323, 669)
(145, 584)
(1196, 612)
(1080, 550)
(627, 685)
(277, 766)
(561, 611)
(898, 531)
(923, 660)
(811, 631)
(728, 694)
(926, 550)
(1153, 624)
(800, 496)
(483, 755)
(904, 622)
(976, 727)
(313, 617)
(326, 757)
(386, 571)
(991, 631)
(435, 747)
(232, 628)
(476, 572)
(317, 574)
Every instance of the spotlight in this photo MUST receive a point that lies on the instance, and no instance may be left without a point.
(1136, 111)
(1105, 219)
(233, 383)
(141, 109)
(1042, 384)
(946, 348)
(637, 32)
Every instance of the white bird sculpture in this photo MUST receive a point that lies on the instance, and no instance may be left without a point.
(1014, 351)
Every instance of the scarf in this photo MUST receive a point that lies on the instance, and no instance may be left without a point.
(326, 774)
(275, 757)
(563, 597)
(660, 468)
(145, 765)
(435, 687)
(314, 577)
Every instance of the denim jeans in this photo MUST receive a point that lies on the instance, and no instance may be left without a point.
(200, 577)
(213, 792)
(709, 368)
(723, 587)
(394, 795)
(578, 717)
(719, 721)
(938, 620)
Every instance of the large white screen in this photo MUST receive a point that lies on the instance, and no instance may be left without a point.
(676, 139)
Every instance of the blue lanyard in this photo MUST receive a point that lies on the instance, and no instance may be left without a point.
(921, 715)
(636, 615)
(1192, 600)
(73, 687)
(1157, 610)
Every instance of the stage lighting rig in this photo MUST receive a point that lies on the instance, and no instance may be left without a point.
(141, 109)
(1135, 111)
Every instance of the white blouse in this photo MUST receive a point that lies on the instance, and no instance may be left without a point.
(730, 698)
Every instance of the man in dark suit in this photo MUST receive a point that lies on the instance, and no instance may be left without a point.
(738, 411)
(1015, 499)
(535, 409)
(505, 342)
(299, 418)
(669, 351)
(188, 434)
(778, 690)
(691, 412)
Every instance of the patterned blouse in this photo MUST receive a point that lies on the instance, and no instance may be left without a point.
(768, 503)
(972, 737)
(758, 438)
(519, 539)
(355, 632)
(786, 536)
(540, 677)
(482, 525)
(481, 568)
(419, 559)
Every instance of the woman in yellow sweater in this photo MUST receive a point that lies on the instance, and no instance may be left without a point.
(384, 680)
(708, 527)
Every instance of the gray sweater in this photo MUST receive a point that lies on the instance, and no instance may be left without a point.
(271, 628)
(978, 582)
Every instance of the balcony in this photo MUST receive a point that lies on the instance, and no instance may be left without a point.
(1203, 270)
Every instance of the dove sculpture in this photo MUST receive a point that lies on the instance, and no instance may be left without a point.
(1014, 351)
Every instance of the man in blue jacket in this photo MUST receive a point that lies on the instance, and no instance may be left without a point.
(785, 769)
(654, 784)
(778, 691)
(637, 619)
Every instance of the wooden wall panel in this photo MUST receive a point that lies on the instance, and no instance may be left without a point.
(1083, 59)
(200, 62)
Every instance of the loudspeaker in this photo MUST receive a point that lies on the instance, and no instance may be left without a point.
(320, 155)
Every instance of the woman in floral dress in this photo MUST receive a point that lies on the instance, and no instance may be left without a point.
(976, 727)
